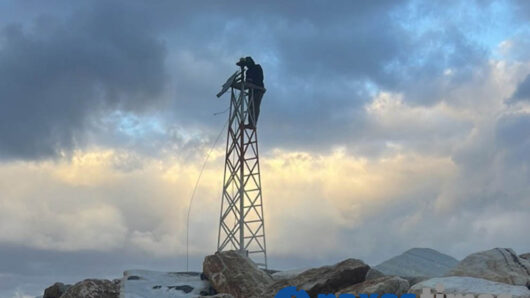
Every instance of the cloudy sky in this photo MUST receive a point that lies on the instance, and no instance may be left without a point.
(386, 125)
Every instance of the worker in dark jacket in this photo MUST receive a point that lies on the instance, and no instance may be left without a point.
(254, 75)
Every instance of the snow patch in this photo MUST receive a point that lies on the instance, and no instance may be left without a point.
(153, 284)
(470, 285)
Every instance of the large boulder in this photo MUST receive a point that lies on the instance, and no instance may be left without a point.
(498, 264)
(288, 274)
(327, 279)
(469, 285)
(373, 274)
(418, 263)
(382, 285)
(415, 279)
(55, 290)
(232, 273)
(93, 288)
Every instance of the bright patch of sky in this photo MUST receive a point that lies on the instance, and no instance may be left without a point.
(134, 125)
(487, 24)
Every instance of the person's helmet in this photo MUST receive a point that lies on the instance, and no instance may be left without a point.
(249, 60)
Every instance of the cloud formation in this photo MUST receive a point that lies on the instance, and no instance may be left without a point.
(386, 125)
(56, 75)
(523, 90)
(133, 56)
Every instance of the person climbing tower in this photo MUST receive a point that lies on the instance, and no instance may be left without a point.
(253, 75)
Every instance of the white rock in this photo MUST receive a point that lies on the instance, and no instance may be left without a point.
(418, 262)
(470, 285)
(498, 264)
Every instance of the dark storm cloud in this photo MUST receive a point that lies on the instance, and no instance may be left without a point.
(56, 74)
(321, 62)
(381, 45)
(323, 42)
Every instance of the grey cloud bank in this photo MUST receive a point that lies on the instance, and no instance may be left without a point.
(58, 74)
(523, 90)
(108, 56)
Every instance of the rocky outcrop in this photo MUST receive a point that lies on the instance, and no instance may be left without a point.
(498, 264)
(288, 274)
(418, 262)
(327, 279)
(525, 256)
(93, 288)
(56, 290)
(415, 279)
(373, 274)
(469, 285)
(382, 285)
(232, 273)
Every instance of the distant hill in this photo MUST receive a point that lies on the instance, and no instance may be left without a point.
(418, 262)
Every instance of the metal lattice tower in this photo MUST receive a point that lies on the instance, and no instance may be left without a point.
(241, 224)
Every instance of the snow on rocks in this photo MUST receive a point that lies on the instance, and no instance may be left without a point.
(153, 284)
(93, 288)
(469, 285)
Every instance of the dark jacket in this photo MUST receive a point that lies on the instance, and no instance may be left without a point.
(255, 75)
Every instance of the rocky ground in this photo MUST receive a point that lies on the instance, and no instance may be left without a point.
(228, 274)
